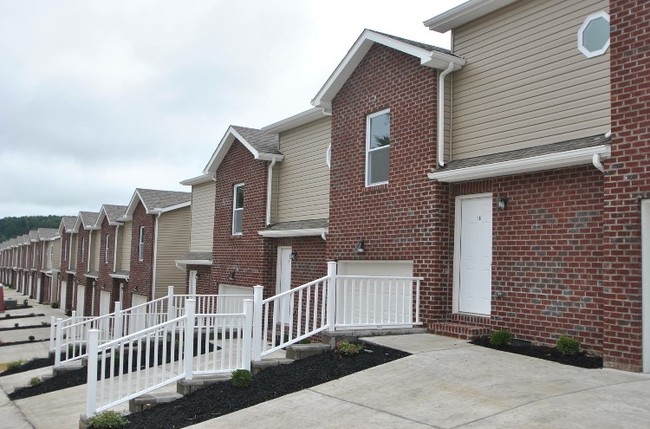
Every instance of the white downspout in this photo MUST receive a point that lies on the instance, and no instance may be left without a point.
(269, 188)
(117, 233)
(597, 163)
(441, 114)
(155, 258)
(90, 246)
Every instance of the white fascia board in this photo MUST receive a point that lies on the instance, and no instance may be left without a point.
(171, 208)
(525, 165)
(295, 121)
(203, 178)
(130, 208)
(294, 233)
(119, 276)
(91, 276)
(464, 13)
(193, 262)
(224, 146)
(352, 59)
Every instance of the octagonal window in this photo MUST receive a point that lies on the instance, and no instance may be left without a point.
(593, 35)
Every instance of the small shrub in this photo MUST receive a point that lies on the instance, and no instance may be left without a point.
(108, 420)
(14, 364)
(241, 378)
(348, 349)
(35, 381)
(54, 305)
(31, 338)
(567, 345)
(7, 316)
(500, 338)
(16, 325)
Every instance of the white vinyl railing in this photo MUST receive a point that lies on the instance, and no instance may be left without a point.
(165, 353)
(68, 337)
(377, 302)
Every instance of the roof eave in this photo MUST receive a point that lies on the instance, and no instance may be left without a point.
(464, 13)
(203, 178)
(525, 165)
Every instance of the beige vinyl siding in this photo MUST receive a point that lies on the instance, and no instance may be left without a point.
(95, 250)
(56, 256)
(449, 88)
(124, 243)
(202, 217)
(303, 176)
(525, 82)
(173, 244)
(72, 261)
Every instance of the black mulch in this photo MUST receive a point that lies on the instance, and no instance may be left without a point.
(28, 366)
(21, 316)
(582, 360)
(79, 376)
(222, 398)
(17, 343)
(25, 327)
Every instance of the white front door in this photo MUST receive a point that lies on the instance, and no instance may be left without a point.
(104, 302)
(283, 282)
(473, 254)
(192, 283)
(81, 297)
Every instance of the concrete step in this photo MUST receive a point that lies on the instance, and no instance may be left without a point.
(331, 338)
(301, 351)
(268, 363)
(185, 387)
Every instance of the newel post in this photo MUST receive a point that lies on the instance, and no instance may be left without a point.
(171, 311)
(257, 322)
(91, 392)
(248, 326)
(331, 296)
(118, 324)
(188, 356)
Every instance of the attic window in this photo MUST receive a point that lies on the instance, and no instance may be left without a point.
(593, 35)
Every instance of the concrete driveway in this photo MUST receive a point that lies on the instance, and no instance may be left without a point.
(448, 383)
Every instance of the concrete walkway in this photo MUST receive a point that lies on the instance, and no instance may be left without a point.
(448, 383)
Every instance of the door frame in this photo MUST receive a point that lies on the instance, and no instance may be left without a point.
(645, 285)
(457, 235)
(191, 284)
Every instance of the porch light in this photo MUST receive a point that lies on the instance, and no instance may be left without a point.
(293, 256)
(502, 203)
(360, 247)
(232, 275)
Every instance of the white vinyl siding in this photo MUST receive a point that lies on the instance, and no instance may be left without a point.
(95, 250)
(525, 82)
(303, 177)
(56, 257)
(124, 252)
(202, 217)
(173, 244)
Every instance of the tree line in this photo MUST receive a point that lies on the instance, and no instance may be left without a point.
(11, 227)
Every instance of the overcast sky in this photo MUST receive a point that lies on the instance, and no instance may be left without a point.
(98, 98)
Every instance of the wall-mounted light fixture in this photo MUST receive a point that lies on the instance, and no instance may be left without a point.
(293, 256)
(232, 275)
(502, 203)
(360, 247)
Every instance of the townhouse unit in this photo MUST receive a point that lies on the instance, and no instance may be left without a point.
(85, 259)
(50, 253)
(67, 267)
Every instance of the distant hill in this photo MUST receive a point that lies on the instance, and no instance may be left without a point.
(11, 227)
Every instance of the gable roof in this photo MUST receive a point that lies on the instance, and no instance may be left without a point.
(156, 201)
(430, 56)
(262, 145)
(67, 223)
(47, 234)
(464, 13)
(112, 213)
(86, 220)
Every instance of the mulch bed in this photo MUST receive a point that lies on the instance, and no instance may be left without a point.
(21, 316)
(582, 359)
(79, 376)
(17, 343)
(25, 327)
(223, 398)
(28, 366)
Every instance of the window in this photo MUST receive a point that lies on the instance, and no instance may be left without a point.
(238, 209)
(377, 147)
(83, 249)
(328, 156)
(65, 251)
(141, 245)
(593, 35)
(106, 250)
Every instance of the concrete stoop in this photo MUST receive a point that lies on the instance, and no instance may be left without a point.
(331, 338)
(301, 351)
(258, 366)
(463, 331)
(185, 387)
(150, 400)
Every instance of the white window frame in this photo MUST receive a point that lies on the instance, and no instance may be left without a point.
(237, 210)
(106, 249)
(586, 52)
(141, 244)
(368, 150)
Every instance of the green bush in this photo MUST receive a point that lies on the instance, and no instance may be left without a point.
(241, 378)
(567, 346)
(54, 305)
(16, 325)
(348, 349)
(31, 338)
(15, 364)
(35, 381)
(108, 420)
(500, 338)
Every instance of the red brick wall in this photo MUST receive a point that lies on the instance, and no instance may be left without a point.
(546, 253)
(246, 254)
(141, 272)
(406, 219)
(309, 264)
(626, 182)
(204, 283)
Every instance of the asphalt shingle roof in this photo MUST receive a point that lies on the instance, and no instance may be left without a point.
(155, 199)
(113, 212)
(88, 218)
(262, 142)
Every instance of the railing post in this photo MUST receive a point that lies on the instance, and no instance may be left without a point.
(331, 296)
(189, 338)
(171, 311)
(248, 326)
(257, 322)
(417, 301)
(91, 391)
(118, 323)
(52, 332)
(58, 342)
